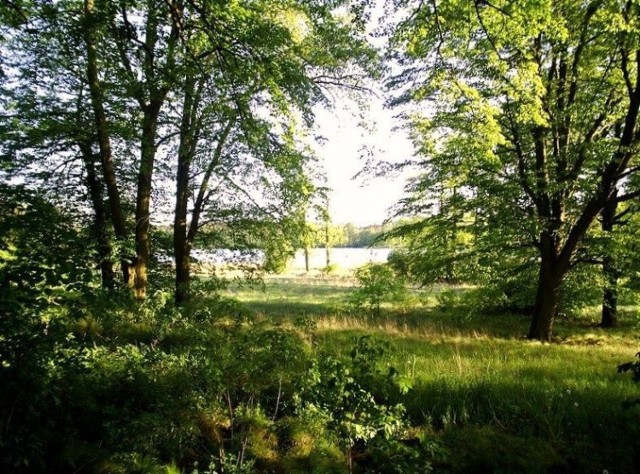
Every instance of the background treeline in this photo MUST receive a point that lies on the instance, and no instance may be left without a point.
(350, 235)
(340, 235)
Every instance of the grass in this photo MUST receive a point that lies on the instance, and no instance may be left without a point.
(496, 402)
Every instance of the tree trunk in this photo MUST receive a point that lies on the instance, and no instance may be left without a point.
(546, 304)
(104, 142)
(186, 150)
(609, 270)
(143, 198)
(552, 272)
(306, 259)
(100, 218)
(181, 244)
(182, 251)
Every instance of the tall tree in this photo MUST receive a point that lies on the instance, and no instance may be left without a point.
(528, 98)
(146, 35)
(245, 169)
(103, 135)
(49, 139)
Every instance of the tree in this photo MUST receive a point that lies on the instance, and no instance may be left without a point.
(615, 251)
(245, 170)
(535, 121)
(49, 140)
(378, 284)
(227, 89)
(103, 134)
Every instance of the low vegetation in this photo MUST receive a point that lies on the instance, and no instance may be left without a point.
(483, 398)
(289, 376)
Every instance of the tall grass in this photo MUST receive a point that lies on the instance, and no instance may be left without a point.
(498, 402)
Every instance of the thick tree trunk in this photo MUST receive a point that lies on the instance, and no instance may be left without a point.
(546, 304)
(552, 272)
(100, 218)
(143, 198)
(104, 142)
(609, 271)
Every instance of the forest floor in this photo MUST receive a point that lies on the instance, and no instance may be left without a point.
(495, 401)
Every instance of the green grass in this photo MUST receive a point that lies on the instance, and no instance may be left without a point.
(498, 402)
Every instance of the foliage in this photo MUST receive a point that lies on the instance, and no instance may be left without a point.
(211, 101)
(435, 251)
(378, 284)
(355, 397)
(117, 386)
(526, 135)
(481, 397)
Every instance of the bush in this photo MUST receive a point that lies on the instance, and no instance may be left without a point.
(378, 284)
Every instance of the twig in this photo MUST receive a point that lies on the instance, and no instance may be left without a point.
(275, 412)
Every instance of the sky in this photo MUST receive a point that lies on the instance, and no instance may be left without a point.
(360, 201)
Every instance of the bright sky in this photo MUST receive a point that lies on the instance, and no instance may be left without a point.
(360, 201)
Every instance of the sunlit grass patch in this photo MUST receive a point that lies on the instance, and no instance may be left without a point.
(496, 400)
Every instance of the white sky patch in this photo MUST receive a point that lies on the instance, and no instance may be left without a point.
(361, 201)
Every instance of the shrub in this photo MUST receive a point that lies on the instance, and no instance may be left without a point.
(378, 284)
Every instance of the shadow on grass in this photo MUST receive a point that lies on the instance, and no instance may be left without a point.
(530, 426)
(328, 302)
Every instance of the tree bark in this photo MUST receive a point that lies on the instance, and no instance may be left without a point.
(100, 218)
(143, 198)
(609, 271)
(551, 273)
(546, 305)
(186, 150)
(104, 141)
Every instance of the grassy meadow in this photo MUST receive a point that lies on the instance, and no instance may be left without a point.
(489, 400)
(288, 375)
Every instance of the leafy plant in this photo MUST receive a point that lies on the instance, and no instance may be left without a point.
(356, 396)
(378, 284)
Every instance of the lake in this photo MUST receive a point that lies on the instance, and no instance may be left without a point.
(344, 258)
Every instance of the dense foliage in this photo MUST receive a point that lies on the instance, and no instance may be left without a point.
(529, 136)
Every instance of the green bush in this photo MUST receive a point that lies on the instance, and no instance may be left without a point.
(378, 284)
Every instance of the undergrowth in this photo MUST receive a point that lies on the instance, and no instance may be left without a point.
(98, 383)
